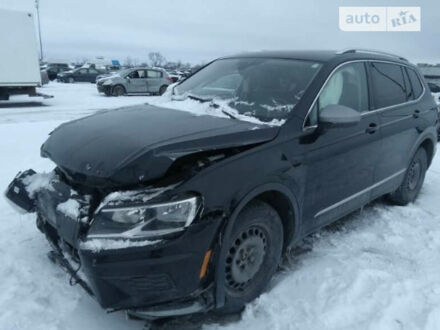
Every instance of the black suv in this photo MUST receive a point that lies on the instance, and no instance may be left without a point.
(168, 212)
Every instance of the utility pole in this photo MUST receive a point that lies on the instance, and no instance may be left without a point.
(37, 6)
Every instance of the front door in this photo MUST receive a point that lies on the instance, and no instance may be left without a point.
(341, 161)
(138, 82)
(80, 75)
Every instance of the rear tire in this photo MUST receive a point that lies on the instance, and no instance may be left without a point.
(118, 90)
(253, 254)
(162, 89)
(413, 180)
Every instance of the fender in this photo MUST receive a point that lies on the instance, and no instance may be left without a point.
(219, 273)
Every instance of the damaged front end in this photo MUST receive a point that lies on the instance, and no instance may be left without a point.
(132, 250)
(119, 213)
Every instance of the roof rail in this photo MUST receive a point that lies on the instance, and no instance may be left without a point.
(370, 51)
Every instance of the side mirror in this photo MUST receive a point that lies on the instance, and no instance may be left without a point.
(128, 79)
(335, 115)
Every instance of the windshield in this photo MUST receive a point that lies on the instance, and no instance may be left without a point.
(264, 88)
(123, 72)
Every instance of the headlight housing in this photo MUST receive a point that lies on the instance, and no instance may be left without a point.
(145, 221)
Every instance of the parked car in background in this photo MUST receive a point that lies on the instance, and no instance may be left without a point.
(80, 75)
(169, 213)
(135, 81)
(107, 74)
(433, 87)
(53, 69)
(44, 77)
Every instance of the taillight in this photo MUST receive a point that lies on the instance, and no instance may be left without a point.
(170, 79)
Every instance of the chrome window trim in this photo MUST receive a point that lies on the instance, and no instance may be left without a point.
(365, 113)
(359, 193)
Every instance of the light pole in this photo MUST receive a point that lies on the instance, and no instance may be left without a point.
(37, 6)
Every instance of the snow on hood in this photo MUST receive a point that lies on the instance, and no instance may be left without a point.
(38, 181)
(167, 100)
(133, 196)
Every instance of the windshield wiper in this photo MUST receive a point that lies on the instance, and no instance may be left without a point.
(212, 104)
(228, 114)
(197, 98)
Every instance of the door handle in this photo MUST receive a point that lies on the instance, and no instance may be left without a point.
(416, 114)
(372, 128)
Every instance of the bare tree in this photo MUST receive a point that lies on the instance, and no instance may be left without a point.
(128, 62)
(156, 59)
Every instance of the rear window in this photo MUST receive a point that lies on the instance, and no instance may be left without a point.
(388, 84)
(415, 82)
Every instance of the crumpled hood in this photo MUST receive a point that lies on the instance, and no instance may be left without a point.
(140, 143)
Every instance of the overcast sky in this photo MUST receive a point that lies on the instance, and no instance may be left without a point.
(200, 30)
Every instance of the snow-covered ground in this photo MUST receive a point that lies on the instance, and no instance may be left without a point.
(378, 269)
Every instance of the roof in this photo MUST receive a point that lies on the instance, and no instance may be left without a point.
(324, 55)
(312, 55)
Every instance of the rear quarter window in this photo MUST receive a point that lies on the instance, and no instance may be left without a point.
(415, 82)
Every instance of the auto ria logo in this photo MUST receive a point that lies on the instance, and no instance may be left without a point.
(379, 18)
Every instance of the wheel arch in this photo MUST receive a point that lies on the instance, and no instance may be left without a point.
(427, 141)
(285, 204)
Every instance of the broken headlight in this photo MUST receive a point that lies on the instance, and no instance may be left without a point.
(145, 221)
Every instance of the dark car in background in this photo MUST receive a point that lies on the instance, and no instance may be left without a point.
(53, 69)
(80, 75)
(171, 213)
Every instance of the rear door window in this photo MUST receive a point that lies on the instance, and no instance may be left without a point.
(415, 82)
(154, 74)
(388, 84)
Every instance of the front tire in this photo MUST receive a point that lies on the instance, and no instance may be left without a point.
(413, 180)
(118, 90)
(71, 80)
(253, 254)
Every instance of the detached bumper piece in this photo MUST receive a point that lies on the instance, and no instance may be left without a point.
(17, 194)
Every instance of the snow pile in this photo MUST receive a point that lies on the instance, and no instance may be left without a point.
(70, 208)
(99, 244)
(436, 97)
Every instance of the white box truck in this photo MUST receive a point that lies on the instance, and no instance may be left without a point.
(19, 64)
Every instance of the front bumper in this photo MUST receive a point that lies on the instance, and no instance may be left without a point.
(133, 277)
(103, 88)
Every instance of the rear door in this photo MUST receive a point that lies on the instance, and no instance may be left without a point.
(92, 73)
(154, 80)
(394, 100)
(341, 161)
